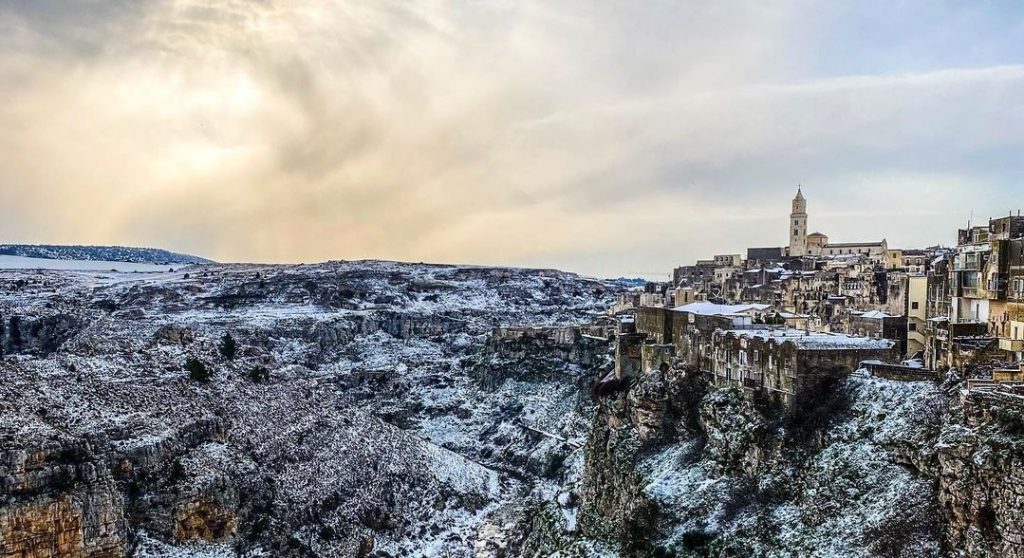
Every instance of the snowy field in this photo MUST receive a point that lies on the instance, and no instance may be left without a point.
(19, 262)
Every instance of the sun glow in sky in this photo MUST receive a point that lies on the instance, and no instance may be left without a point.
(611, 138)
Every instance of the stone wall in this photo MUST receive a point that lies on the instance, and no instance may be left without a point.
(827, 360)
(657, 323)
(657, 357)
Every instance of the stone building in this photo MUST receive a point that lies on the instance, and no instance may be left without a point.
(815, 242)
(762, 257)
(974, 295)
(732, 345)
(915, 308)
(915, 261)
(936, 333)
(728, 260)
(781, 362)
(697, 276)
(879, 325)
(984, 282)
(876, 251)
(1012, 340)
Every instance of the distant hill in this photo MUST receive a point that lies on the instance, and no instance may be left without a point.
(629, 282)
(100, 253)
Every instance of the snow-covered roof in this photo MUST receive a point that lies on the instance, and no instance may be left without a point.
(876, 315)
(712, 309)
(813, 340)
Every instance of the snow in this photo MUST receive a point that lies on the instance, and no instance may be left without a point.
(812, 340)
(712, 309)
(150, 547)
(855, 487)
(876, 315)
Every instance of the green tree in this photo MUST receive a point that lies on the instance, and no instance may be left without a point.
(228, 347)
(197, 371)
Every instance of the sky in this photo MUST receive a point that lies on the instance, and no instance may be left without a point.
(607, 138)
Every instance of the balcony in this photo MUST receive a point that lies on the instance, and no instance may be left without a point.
(1011, 345)
(971, 292)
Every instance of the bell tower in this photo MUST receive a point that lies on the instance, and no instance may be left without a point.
(798, 225)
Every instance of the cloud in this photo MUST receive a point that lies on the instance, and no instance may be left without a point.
(605, 138)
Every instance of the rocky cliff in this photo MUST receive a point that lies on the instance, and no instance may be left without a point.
(677, 468)
(879, 468)
(381, 409)
(354, 418)
(981, 484)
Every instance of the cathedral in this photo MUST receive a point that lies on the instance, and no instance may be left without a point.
(817, 244)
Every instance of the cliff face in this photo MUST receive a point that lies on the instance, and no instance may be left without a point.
(85, 497)
(676, 468)
(59, 501)
(981, 481)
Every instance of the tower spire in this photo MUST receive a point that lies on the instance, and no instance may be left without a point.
(798, 224)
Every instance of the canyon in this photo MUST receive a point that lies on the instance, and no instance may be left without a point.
(385, 409)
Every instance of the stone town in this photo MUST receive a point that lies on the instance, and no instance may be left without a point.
(780, 318)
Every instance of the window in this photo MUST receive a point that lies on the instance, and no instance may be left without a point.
(912, 326)
(796, 223)
(796, 232)
(913, 305)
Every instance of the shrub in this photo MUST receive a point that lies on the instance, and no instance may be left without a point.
(259, 374)
(176, 473)
(197, 371)
(228, 347)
